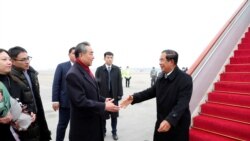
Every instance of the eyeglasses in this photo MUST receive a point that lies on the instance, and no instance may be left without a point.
(24, 59)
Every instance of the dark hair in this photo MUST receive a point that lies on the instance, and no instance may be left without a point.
(14, 51)
(72, 48)
(108, 53)
(3, 50)
(81, 48)
(171, 55)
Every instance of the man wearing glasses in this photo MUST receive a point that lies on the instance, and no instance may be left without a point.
(27, 78)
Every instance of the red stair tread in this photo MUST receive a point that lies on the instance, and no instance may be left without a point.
(241, 53)
(245, 40)
(235, 76)
(225, 127)
(199, 135)
(237, 68)
(232, 87)
(229, 98)
(225, 111)
(247, 34)
(240, 60)
(244, 46)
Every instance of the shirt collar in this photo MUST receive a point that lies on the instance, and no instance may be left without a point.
(167, 74)
(107, 66)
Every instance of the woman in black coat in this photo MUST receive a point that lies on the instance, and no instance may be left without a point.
(5, 68)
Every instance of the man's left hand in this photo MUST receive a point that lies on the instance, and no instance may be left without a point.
(164, 126)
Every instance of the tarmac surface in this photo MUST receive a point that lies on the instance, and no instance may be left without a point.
(135, 123)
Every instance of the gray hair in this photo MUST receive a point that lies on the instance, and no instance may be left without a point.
(81, 48)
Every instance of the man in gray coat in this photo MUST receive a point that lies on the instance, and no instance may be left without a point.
(109, 80)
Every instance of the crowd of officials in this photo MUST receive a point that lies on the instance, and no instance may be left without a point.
(86, 100)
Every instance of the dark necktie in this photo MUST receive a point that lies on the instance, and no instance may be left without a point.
(109, 78)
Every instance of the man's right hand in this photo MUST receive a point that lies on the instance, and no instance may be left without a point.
(110, 106)
(55, 106)
(126, 102)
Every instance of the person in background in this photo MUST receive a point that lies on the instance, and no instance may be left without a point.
(127, 76)
(26, 77)
(5, 68)
(59, 95)
(172, 90)
(87, 106)
(153, 75)
(109, 80)
(121, 72)
(185, 69)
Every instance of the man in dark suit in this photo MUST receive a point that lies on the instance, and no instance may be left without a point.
(59, 95)
(109, 81)
(173, 90)
(87, 106)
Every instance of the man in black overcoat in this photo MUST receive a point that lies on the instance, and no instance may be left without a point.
(109, 81)
(87, 106)
(173, 90)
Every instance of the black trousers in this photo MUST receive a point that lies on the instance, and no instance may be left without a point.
(113, 125)
(127, 81)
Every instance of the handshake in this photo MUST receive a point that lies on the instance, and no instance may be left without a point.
(111, 107)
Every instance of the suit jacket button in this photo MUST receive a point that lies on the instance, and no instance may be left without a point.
(174, 115)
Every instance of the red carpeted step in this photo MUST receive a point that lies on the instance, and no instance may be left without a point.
(242, 87)
(199, 135)
(240, 60)
(243, 46)
(237, 68)
(245, 40)
(241, 53)
(225, 111)
(225, 127)
(235, 76)
(229, 98)
(247, 35)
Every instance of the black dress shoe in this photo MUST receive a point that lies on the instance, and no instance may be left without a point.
(115, 137)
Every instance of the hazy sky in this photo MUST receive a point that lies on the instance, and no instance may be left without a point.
(136, 31)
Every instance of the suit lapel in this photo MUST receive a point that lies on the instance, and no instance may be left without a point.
(67, 66)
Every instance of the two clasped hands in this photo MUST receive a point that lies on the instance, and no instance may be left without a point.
(111, 107)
